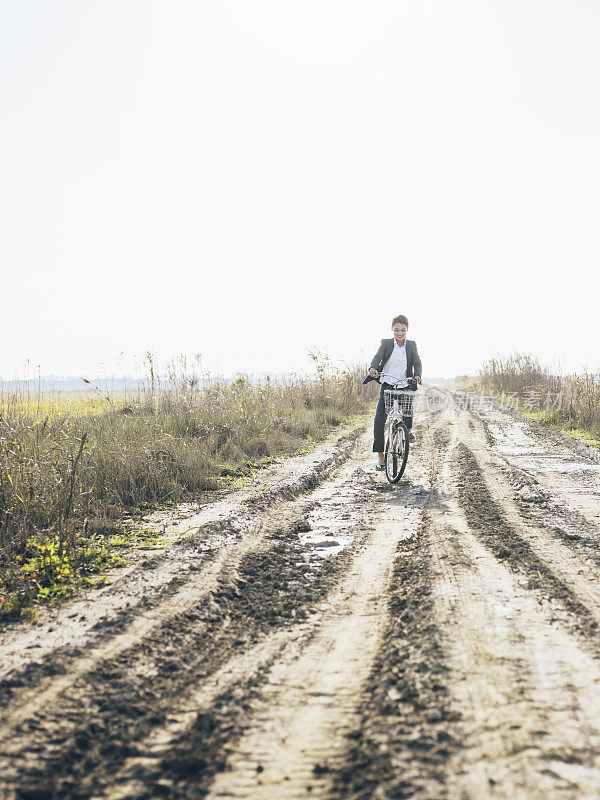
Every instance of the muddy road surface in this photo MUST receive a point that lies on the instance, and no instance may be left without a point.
(323, 634)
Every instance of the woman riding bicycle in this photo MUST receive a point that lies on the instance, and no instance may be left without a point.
(396, 360)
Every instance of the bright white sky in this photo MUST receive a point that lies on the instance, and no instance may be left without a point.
(250, 179)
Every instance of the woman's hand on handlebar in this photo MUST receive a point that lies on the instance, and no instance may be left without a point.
(373, 373)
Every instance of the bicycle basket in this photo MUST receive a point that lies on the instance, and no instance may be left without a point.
(406, 401)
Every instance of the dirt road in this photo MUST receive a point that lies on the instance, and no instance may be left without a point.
(323, 634)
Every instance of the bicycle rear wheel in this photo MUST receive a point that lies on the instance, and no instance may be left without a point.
(396, 452)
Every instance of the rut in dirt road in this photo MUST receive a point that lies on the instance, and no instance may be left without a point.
(293, 730)
(522, 643)
(337, 637)
(506, 700)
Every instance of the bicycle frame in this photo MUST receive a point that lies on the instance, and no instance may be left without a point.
(400, 404)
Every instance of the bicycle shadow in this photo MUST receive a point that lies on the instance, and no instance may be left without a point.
(409, 494)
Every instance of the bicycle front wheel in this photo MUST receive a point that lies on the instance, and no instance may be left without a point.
(396, 452)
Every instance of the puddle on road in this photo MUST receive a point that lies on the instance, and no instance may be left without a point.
(331, 525)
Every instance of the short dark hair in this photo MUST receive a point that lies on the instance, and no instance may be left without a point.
(401, 319)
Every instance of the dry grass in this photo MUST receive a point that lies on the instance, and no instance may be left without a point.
(69, 472)
(571, 402)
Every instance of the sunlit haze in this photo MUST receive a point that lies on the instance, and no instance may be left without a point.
(250, 180)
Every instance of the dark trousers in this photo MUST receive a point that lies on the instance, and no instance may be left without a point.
(379, 424)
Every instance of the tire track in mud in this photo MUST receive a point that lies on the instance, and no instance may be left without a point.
(282, 741)
(406, 734)
(104, 711)
(539, 509)
(101, 720)
(565, 569)
(308, 700)
(515, 681)
(290, 734)
(407, 729)
(176, 755)
(534, 502)
(522, 678)
(488, 520)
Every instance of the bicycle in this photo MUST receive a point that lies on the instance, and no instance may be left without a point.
(399, 403)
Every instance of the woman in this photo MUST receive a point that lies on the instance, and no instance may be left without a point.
(396, 360)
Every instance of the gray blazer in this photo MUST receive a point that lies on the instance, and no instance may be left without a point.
(413, 362)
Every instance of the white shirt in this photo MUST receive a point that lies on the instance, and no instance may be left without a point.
(394, 369)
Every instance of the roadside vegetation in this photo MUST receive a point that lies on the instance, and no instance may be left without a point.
(72, 470)
(570, 403)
